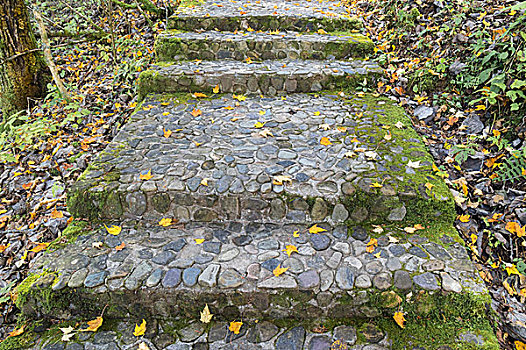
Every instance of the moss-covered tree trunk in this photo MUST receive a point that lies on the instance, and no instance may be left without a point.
(23, 71)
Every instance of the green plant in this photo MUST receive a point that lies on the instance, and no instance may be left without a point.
(513, 167)
(5, 293)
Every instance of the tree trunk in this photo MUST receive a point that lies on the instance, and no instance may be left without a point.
(23, 71)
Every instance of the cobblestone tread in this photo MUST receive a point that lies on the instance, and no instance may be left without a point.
(267, 77)
(299, 15)
(160, 264)
(175, 46)
(250, 159)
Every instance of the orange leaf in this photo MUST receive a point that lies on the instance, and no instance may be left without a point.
(167, 133)
(399, 319)
(196, 112)
(40, 247)
(93, 325)
(371, 245)
(199, 95)
(55, 214)
(464, 218)
(16, 332)
(278, 271)
(4, 247)
(120, 246)
(235, 327)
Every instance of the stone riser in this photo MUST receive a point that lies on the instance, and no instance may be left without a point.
(264, 47)
(264, 22)
(162, 80)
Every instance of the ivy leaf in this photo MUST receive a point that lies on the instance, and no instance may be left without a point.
(140, 330)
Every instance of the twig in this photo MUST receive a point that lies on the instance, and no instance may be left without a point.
(49, 58)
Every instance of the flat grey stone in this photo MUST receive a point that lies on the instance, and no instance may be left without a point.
(426, 281)
(230, 278)
(309, 279)
(209, 276)
(279, 282)
(345, 277)
(291, 340)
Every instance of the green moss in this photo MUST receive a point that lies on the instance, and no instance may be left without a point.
(35, 293)
(69, 235)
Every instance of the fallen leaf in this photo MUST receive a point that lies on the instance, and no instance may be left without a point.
(167, 133)
(199, 240)
(55, 214)
(429, 186)
(206, 316)
(93, 325)
(399, 125)
(16, 332)
(240, 98)
(216, 89)
(278, 271)
(266, 133)
(146, 176)
(325, 141)
(204, 182)
(199, 95)
(97, 245)
(165, 222)
(113, 230)
(378, 229)
(325, 127)
(376, 185)
(4, 247)
(289, 249)
(40, 247)
(259, 125)
(281, 179)
(196, 113)
(143, 346)
(388, 136)
(410, 229)
(371, 245)
(464, 218)
(139, 330)
(68, 333)
(515, 227)
(235, 327)
(399, 319)
(120, 246)
(414, 165)
(296, 234)
(520, 345)
(315, 229)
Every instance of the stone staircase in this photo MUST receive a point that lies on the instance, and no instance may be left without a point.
(266, 152)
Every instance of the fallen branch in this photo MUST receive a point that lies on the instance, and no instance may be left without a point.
(49, 58)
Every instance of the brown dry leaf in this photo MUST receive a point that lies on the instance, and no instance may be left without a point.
(278, 271)
(93, 325)
(266, 133)
(399, 319)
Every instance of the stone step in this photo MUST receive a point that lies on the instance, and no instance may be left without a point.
(177, 46)
(267, 77)
(300, 16)
(166, 275)
(300, 159)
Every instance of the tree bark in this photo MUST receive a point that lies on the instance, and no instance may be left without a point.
(21, 76)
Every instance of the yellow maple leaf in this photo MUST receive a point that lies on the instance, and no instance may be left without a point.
(167, 133)
(511, 269)
(16, 332)
(376, 185)
(278, 271)
(289, 249)
(146, 176)
(204, 182)
(55, 214)
(240, 98)
(206, 316)
(399, 319)
(429, 186)
(199, 95)
(520, 345)
(296, 234)
(93, 325)
(515, 227)
(216, 89)
(139, 330)
(165, 222)
(315, 229)
(113, 230)
(259, 125)
(196, 113)
(235, 327)
(464, 218)
(4, 247)
(325, 141)
(199, 240)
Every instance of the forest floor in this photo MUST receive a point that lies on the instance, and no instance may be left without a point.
(434, 54)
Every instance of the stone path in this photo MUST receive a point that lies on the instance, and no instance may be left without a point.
(253, 167)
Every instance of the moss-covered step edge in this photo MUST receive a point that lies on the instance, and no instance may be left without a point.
(172, 45)
(433, 319)
(263, 22)
(155, 81)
